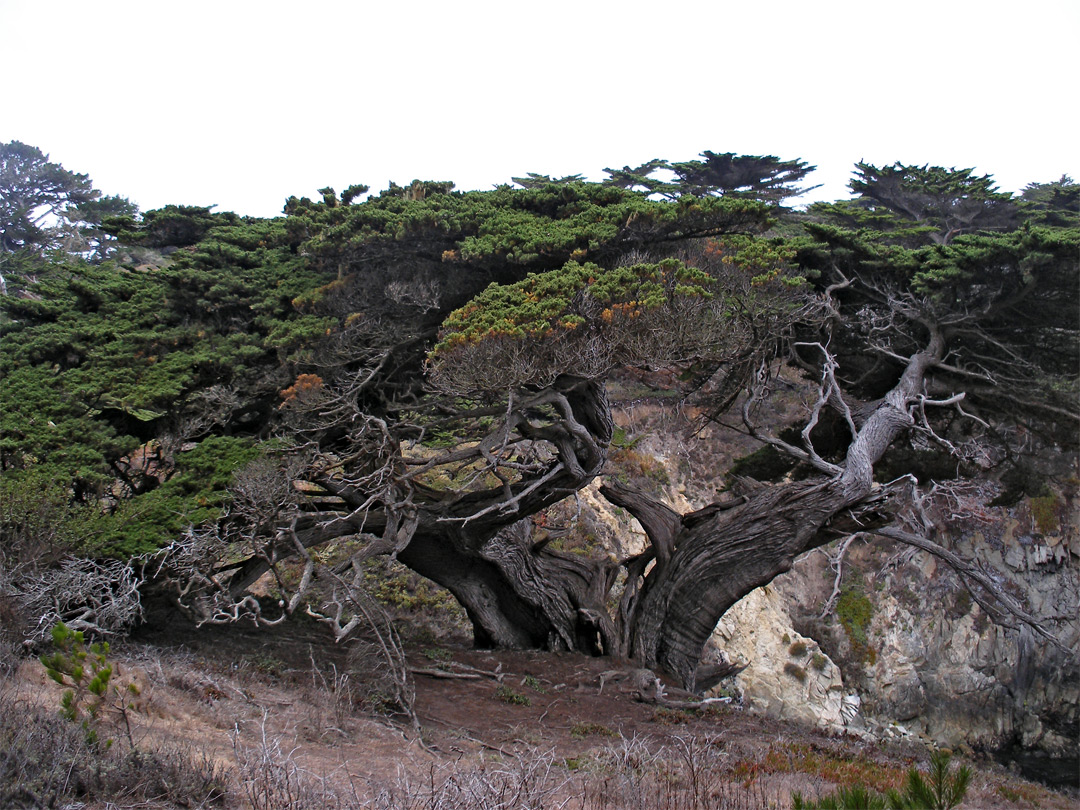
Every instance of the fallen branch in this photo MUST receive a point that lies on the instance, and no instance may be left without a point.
(442, 673)
(687, 704)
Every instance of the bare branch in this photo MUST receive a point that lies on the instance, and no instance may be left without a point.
(101, 598)
(758, 392)
(836, 563)
(999, 605)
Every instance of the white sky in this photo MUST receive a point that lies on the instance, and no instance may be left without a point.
(240, 103)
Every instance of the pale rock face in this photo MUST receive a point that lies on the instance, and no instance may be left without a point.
(788, 676)
(895, 672)
(983, 684)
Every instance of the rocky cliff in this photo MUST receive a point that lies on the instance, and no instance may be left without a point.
(894, 644)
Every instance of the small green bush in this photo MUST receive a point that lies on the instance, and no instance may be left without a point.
(87, 670)
(939, 790)
(672, 717)
(440, 656)
(856, 797)
(533, 683)
(855, 612)
(1044, 511)
(508, 695)
(622, 441)
(579, 731)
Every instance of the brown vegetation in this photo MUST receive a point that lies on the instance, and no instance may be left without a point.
(235, 717)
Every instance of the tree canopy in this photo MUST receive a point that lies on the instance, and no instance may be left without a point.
(422, 372)
(765, 178)
(41, 203)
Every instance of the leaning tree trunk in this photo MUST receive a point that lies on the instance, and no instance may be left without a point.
(709, 560)
(478, 544)
(519, 594)
(717, 562)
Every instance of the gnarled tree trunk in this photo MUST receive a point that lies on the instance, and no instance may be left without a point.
(517, 593)
(708, 560)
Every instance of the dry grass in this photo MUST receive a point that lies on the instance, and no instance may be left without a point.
(688, 772)
(832, 767)
(247, 725)
(48, 762)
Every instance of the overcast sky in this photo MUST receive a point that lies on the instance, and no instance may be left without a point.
(240, 104)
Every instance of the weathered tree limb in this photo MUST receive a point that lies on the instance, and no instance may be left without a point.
(442, 673)
(836, 562)
(998, 604)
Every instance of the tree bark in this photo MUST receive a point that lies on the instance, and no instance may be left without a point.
(478, 546)
(517, 596)
(697, 566)
(721, 558)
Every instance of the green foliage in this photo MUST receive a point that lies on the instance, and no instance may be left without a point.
(766, 178)
(533, 683)
(947, 201)
(540, 227)
(38, 515)
(855, 611)
(440, 656)
(512, 697)
(101, 362)
(947, 244)
(543, 303)
(171, 226)
(102, 354)
(579, 731)
(195, 493)
(856, 797)
(1055, 205)
(673, 717)
(87, 670)
(620, 439)
(395, 586)
(640, 179)
(1044, 511)
(110, 371)
(532, 180)
(98, 361)
(583, 320)
(38, 521)
(940, 789)
(31, 189)
(631, 465)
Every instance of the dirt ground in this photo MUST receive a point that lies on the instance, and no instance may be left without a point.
(239, 691)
